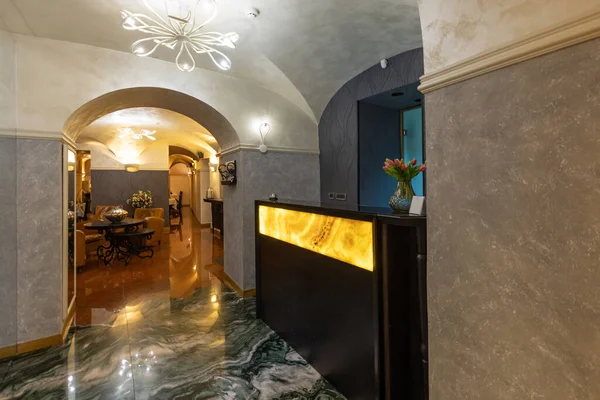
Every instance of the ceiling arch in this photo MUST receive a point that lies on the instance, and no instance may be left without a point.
(303, 50)
(153, 97)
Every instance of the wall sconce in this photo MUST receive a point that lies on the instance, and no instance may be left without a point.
(132, 167)
(263, 130)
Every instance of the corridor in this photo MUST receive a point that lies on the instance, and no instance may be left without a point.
(165, 328)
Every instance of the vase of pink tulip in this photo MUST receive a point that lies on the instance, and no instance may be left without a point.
(404, 174)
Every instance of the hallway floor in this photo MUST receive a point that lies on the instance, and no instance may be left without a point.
(164, 328)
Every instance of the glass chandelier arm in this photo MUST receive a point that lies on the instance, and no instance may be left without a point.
(185, 50)
(220, 59)
(158, 40)
(165, 24)
(154, 27)
(213, 15)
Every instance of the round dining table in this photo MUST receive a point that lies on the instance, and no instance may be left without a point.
(107, 253)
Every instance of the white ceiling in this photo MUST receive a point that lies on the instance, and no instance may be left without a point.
(171, 128)
(305, 50)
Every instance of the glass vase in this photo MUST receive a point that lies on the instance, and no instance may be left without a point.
(402, 197)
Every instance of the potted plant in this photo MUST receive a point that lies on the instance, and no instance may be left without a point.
(404, 174)
(141, 199)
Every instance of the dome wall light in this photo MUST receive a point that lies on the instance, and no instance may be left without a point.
(263, 130)
(132, 167)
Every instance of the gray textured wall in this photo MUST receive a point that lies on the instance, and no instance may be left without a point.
(290, 175)
(338, 127)
(514, 220)
(112, 187)
(8, 243)
(39, 243)
(375, 187)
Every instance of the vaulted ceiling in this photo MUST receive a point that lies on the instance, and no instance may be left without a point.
(170, 128)
(304, 50)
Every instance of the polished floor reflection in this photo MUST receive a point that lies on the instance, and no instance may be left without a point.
(164, 328)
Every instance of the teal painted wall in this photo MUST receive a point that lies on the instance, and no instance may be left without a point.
(412, 123)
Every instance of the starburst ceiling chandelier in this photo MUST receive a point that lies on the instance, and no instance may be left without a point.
(130, 133)
(179, 33)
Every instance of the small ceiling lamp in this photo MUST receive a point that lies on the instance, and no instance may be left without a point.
(179, 33)
(132, 167)
(143, 133)
(263, 130)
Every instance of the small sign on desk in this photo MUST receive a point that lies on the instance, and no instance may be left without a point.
(417, 206)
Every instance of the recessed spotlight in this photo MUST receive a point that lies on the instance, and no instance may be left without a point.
(395, 94)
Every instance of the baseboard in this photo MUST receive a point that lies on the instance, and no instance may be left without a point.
(38, 344)
(239, 290)
(8, 351)
(68, 322)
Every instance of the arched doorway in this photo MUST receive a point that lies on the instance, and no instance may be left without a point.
(93, 127)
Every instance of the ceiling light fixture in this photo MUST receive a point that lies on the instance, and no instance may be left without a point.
(143, 133)
(182, 33)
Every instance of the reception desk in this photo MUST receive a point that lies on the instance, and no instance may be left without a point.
(345, 287)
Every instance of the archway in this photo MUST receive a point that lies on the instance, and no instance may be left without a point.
(181, 260)
(172, 100)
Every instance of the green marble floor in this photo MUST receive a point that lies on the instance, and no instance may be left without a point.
(206, 346)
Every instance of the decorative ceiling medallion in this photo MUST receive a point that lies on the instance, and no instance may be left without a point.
(130, 133)
(179, 33)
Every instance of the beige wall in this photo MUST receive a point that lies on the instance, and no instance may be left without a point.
(180, 181)
(67, 85)
(454, 30)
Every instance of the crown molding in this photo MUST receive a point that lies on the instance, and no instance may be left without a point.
(275, 149)
(41, 135)
(555, 38)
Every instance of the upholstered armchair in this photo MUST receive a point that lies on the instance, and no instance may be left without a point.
(141, 213)
(157, 224)
(99, 212)
(91, 240)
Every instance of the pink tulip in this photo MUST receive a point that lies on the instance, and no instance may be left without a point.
(386, 169)
(422, 167)
(397, 162)
(403, 167)
(414, 161)
(389, 164)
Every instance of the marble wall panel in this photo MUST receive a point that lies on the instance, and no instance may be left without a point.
(39, 246)
(514, 231)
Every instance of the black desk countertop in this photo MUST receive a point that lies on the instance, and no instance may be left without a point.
(346, 210)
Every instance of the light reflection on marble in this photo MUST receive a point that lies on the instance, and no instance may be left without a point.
(203, 343)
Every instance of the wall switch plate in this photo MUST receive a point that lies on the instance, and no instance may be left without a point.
(340, 196)
(331, 195)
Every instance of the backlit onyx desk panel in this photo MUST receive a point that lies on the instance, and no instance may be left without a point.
(326, 286)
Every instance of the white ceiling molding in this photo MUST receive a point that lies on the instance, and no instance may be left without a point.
(559, 36)
(33, 134)
(276, 149)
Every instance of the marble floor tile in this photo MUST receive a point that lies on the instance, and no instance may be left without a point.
(165, 328)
